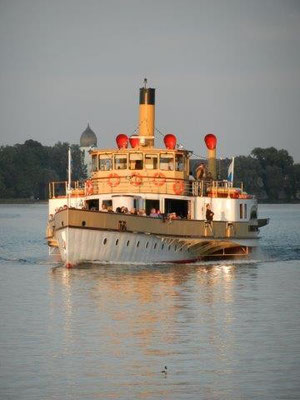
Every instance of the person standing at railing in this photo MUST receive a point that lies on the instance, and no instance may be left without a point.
(209, 214)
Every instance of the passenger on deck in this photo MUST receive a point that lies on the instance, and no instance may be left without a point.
(201, 172)
(172, 215)
(209, 214)
(153, 213)
(142, 212)
(104, 207)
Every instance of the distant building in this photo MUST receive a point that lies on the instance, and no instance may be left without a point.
(88, 139)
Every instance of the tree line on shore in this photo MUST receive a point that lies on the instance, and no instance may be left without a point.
(270, 174)
(26, 170)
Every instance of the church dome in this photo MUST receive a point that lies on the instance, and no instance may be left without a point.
(88, 138)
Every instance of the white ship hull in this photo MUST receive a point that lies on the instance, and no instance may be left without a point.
(97, 246)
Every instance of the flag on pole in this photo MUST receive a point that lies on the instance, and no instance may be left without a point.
(231, 171)
(69, 168)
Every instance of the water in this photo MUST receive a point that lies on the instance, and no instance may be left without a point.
(225, 330)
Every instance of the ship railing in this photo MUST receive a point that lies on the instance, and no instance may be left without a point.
(139, 184)
(60, 189)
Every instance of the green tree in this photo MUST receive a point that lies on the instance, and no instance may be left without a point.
(277, 171)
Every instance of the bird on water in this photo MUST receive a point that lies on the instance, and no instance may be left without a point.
(164, 371)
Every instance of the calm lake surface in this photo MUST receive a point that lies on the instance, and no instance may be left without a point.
(225, 330)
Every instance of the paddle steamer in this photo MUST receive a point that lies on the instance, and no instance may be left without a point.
(85, 223)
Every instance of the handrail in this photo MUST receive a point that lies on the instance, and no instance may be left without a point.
(138, 183)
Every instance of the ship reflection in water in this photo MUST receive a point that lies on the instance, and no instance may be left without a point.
(126, 323)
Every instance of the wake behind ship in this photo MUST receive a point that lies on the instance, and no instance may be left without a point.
(141, 205)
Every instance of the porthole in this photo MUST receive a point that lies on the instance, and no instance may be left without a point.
(138, 243)
(117, 241)
(128, 243)
(155, 245)
(147, 244)
(104, 241)
(83, 223)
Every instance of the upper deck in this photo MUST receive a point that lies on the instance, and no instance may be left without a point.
(138, 170)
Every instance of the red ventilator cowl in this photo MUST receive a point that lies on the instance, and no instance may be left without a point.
(170, 141)
(122, 141)
(134, 141)
(210, 141)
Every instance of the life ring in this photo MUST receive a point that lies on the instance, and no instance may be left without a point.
(136, 179)
(235, 195)
(178, 187)
(159, 179)
(89, 187)
(113, 180)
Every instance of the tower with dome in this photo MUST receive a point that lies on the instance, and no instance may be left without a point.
(88, 140)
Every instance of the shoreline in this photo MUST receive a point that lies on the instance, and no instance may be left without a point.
(22, 201)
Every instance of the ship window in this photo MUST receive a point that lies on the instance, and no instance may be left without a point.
(128, 243)
(180, 249)
(241, 211)
(147, 244)
(151, 161)
(245, 211)
(104, 241)
(105, 162)
(94, 163)
(120, 161)
(169, 248)
(138, 243)
(155, 245)
(136, 161)
(179, 162)
(175, 248)
(166, 162)
(162, 246)
(83, 223)
(117, 241)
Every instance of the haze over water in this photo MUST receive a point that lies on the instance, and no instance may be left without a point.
(225, 330)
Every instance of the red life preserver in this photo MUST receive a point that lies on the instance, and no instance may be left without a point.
(113, 180)
(89, 187)
(136, 179)
(235, 194)
(178, 187)
(159, 179)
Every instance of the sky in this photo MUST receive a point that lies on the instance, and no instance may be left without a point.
(231, 68)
